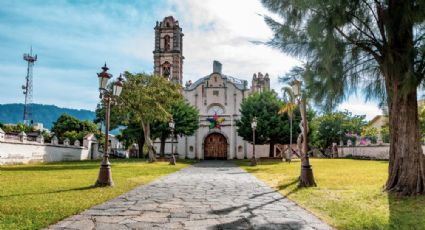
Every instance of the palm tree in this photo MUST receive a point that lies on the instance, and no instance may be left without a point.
(288, 107)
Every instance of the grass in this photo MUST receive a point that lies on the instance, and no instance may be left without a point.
(349, 194)
(35, 195)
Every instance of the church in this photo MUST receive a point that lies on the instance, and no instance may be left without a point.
(217, 96)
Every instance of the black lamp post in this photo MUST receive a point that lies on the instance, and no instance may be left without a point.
(172, 126)
(306, 178)
(254, 127)
(105, 175)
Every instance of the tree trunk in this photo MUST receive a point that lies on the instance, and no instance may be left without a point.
(162, 147)
(306, 177)
(271, 149)
(289, 154)
(148, 141)
(406, 160)
(140, 142)
(406, 167)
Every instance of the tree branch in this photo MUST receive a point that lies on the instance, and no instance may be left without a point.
(359, 44)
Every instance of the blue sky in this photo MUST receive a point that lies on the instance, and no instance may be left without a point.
(73, 39)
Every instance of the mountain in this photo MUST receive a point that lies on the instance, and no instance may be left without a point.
(46, 114)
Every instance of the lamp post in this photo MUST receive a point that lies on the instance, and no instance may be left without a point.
(105, 175)
(306, 178)
(253, 126)
(172, 126)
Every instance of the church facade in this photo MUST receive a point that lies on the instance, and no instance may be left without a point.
(217, 96)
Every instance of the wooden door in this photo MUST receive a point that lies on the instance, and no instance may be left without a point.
(215, 147)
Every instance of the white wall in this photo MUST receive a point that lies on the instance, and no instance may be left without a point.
(22, 153)
(380, 152)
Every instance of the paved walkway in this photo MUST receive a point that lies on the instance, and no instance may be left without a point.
(208, 195)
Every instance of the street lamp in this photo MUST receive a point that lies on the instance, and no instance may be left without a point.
(105, 175)
(172, 126)
(306, 178)
(253, 126)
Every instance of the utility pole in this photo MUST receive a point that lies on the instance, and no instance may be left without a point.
(27, 88)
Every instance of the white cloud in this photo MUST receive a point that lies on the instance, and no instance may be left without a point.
(74, 40)
(224, 30)
(358, 106)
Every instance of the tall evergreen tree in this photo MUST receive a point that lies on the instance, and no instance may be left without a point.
(376, 44)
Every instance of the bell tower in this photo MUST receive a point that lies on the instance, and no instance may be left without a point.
(168, 52)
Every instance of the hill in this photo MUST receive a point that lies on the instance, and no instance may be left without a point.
(46, 114)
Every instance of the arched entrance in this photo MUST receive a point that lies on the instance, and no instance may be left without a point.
(215, 147)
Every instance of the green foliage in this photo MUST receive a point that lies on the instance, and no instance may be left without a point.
(46, 114)
(385, 134)
(350, 43)
(147, 99)
(421, 114)
(271, 126)
(332, 127)
(70, 127)
(17, 128)
(370, 133)
(133, 133)
(186, 119)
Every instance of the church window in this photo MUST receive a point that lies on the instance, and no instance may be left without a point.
(167, 42)
(191, 148)
(215, 78)
(215, 92)
(240, 148)
(166, 69)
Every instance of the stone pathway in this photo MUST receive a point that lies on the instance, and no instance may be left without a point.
(208, 195)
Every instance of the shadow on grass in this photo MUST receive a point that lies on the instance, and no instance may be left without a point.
(51, 192)
(47, 167)
(406, 212)
(66, 165)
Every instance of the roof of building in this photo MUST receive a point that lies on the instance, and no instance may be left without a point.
(238, 83)
(376, 118)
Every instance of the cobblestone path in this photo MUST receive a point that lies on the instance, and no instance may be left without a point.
(208, 195)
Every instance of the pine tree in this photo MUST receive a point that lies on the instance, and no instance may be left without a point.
(378, 45)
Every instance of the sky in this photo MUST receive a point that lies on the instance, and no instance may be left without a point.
(73, 39)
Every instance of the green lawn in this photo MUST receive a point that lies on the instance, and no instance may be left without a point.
(349, 194)
(36, 195)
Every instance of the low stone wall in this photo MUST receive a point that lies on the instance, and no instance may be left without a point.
(15, 152)
(379, 152)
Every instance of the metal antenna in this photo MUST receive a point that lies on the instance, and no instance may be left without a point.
(27, 88)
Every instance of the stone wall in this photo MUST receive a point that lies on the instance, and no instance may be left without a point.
(380, 152)
(22, 152)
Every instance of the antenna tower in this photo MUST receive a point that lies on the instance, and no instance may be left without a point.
(27, 88)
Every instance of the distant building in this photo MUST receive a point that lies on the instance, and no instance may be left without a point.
(379, 122)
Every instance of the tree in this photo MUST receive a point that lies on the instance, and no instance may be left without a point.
(377, 44)
(67, 126)
(334, 127)
(148, 99)
(133, 133)
(186, 119)
(288, 107)
(272, 127)
(370, 133)
(20, 127)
